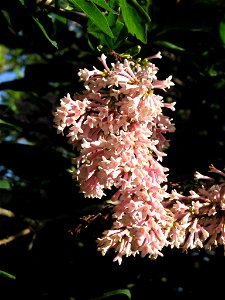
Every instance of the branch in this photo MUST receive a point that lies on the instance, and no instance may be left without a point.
(15, 236)
(76, 16)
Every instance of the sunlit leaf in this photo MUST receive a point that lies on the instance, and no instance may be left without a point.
(5, 274)
(212, 72)
(94, 14)
(4, 184)
(110, 294)
(44, 32)
(134, 21)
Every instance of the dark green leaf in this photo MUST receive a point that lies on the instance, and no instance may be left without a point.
(94, 14)
(91, 45)
(169, 45)
(6, 15)
(10, 125)
(113, 4)
(45, 33)
(140, 9)
(119, 31)
(112, 17)
(103, 39)
(60, 19)
(110, 294)
(222, 31)
(134, 21)
(103, 4)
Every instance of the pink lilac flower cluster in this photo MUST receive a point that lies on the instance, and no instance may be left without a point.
(199, 218)
(118, 125)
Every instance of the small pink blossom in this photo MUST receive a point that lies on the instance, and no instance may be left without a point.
(118, 125)
(199, 217)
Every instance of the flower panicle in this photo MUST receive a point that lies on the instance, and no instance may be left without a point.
(199, 217)
(118, 125)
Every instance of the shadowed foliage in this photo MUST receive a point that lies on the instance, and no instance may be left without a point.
(47, 228)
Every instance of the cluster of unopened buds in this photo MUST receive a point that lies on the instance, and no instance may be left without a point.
(118, 126)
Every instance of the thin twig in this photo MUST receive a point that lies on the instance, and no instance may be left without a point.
(13, 237)
(76, 16)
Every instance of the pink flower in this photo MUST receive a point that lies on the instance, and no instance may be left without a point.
(118, 125)
(199, 217)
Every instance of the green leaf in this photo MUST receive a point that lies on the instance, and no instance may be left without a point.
(22, 2)
(60, 18)
(169, 45)
(134, 21)
(103, 4)
(94, 14)
(222, 31)
(112, 17)
(6, 15)
(92, 30)
(212, 72)
(120, 34)
(125, 292)
(141, 10)
(113, 3)
(5, 274)
(4, 184)
(10, 125)
(44, 31)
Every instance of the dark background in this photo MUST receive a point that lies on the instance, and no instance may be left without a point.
(56, 261)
